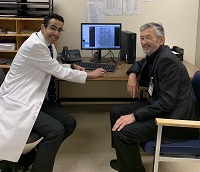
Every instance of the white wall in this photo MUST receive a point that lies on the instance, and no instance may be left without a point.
(197, 59)
(179, 18)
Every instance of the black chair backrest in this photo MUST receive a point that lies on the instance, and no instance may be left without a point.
(2, 76)
(196, 85)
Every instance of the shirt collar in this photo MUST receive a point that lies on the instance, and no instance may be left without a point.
(41, 36)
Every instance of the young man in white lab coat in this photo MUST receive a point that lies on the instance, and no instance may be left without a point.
(22, 104)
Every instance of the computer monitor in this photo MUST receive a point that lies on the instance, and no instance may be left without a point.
(100, 36)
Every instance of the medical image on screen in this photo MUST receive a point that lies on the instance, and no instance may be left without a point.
(100, 36)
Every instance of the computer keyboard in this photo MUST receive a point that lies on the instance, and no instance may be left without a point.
(92, 66)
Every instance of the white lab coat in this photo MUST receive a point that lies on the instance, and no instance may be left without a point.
(23, 92)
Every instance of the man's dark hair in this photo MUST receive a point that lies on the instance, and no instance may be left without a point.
(52, 16)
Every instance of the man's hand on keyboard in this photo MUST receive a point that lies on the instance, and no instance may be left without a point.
(77, 67)
(99, 72)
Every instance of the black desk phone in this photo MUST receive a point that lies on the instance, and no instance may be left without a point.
(70, 56)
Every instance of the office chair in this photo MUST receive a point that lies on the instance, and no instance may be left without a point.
(178, 151)
(34, 138)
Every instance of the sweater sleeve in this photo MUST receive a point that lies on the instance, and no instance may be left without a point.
(136, 67)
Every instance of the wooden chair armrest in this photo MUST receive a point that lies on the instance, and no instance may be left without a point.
(177, 123)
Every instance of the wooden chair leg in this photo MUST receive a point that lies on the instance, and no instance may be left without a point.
(157, 151)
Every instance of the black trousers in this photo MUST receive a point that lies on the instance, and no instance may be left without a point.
(126, 141)
(55, 125)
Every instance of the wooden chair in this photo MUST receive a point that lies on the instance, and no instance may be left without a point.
(178, 151)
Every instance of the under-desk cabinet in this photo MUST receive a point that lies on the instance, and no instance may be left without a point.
(13, 32)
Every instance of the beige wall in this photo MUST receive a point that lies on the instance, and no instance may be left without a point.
(197, 59)
(179, 17)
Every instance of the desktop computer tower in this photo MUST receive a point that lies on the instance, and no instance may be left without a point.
(128, 46)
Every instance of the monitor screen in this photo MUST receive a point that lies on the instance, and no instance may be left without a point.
(100, 36)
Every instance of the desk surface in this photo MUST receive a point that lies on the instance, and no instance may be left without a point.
(191, 68)
(120, 73)
(87, 92)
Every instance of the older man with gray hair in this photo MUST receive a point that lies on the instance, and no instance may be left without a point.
(170, 96)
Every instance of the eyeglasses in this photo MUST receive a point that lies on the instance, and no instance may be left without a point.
(53, 28)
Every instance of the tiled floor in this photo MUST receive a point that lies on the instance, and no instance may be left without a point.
(88, 148)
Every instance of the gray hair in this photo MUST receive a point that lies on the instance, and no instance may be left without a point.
(156, 26)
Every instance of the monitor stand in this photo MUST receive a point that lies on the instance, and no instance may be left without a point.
(99, 59)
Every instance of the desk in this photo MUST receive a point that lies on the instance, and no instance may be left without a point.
(190, 68)
(118, 78)
(120, 73)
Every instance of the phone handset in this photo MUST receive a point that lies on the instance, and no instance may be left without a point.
(65, 55)
(70, 56)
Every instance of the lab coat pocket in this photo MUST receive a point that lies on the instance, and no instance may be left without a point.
(15, 111)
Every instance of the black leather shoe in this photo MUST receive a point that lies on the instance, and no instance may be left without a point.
(17, 167)
(114, 164)
(27, 159)
(5, 166)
